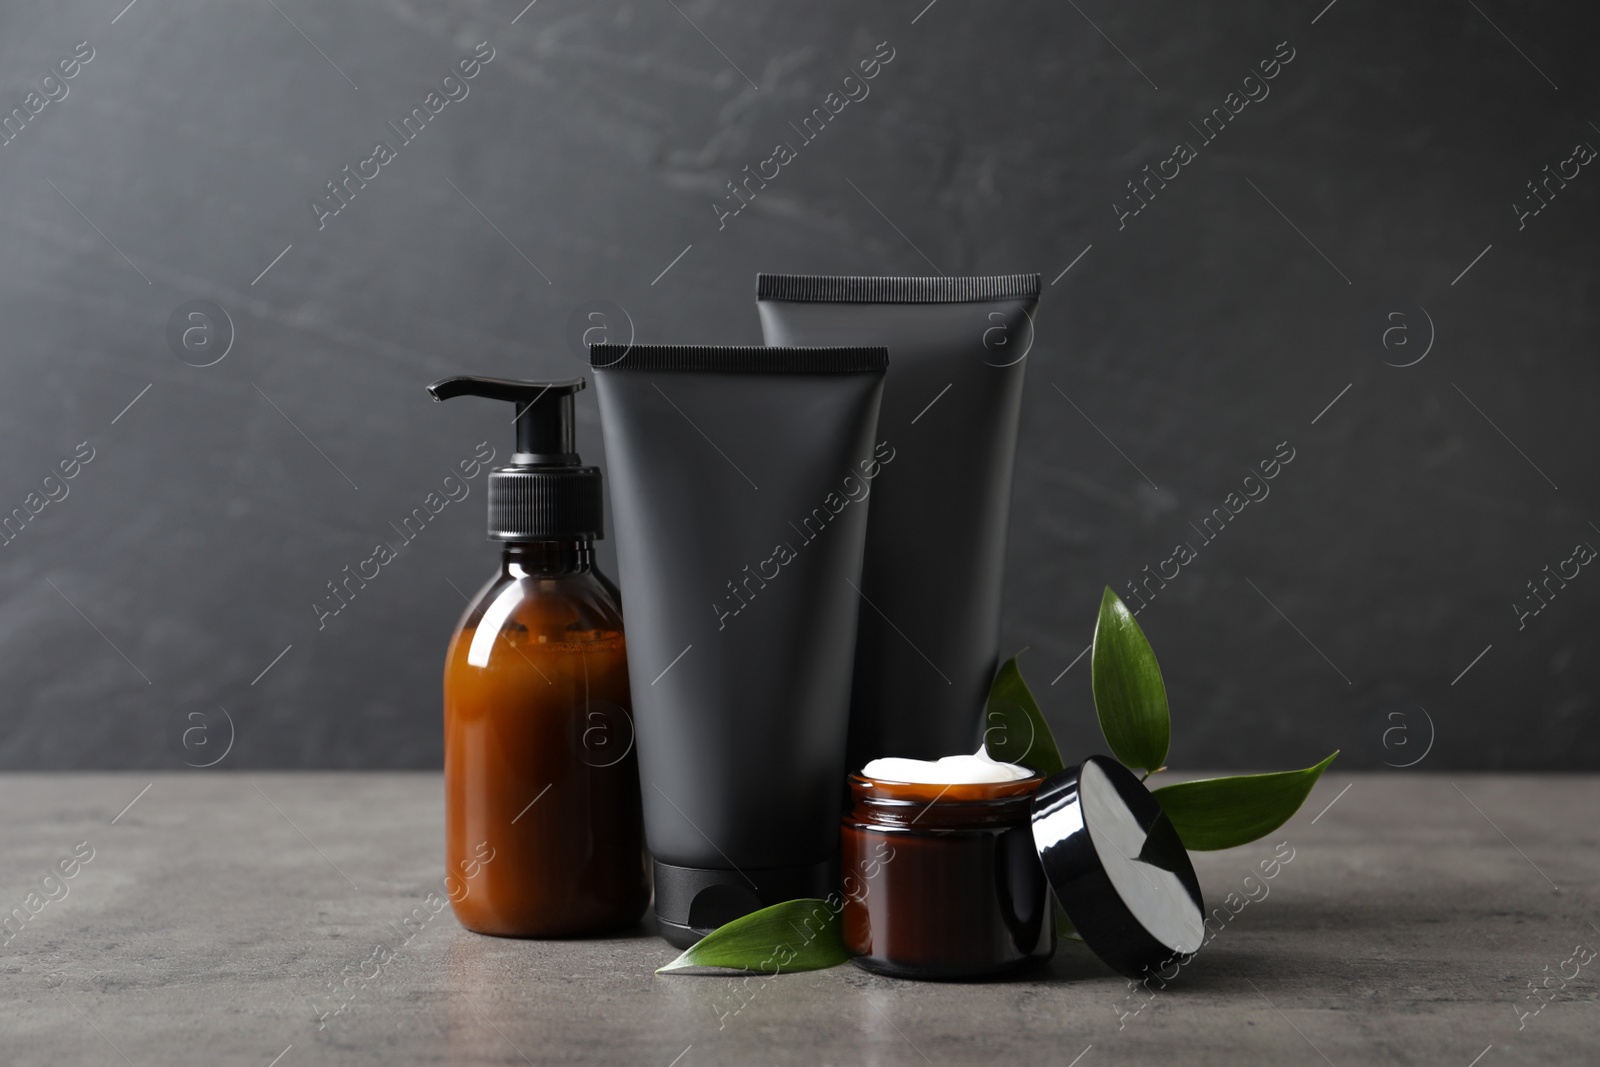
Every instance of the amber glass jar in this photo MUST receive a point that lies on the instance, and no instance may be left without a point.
(943, 881)
(543, 834)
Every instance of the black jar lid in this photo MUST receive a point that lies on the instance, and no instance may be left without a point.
(1118, 867)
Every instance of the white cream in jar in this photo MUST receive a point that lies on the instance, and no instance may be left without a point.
(975, 769)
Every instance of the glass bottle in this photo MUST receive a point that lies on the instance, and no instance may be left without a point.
(541, 779)
(543, 827)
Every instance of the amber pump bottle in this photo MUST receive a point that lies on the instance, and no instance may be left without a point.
(543, 834)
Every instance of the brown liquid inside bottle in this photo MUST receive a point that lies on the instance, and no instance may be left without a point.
(540, 772)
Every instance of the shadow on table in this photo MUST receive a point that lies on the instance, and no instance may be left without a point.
(1222, 964)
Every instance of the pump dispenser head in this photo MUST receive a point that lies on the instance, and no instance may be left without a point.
(545, 493)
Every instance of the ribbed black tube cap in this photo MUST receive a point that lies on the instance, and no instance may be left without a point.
(530, 503)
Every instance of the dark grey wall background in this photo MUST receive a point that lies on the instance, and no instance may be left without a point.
(1251, 293)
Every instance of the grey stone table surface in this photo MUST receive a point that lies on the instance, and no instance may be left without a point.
(210, 918)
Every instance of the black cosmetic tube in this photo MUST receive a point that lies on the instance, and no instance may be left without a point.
(739, 481)
(929, 637)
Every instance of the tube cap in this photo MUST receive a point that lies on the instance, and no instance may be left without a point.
(1118, 867)
(693, 901)
(545, 493)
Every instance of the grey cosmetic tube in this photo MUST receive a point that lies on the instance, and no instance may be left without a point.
(929, 638)
(740, 481)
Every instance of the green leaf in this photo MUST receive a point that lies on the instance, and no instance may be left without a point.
(1129, 695)
(797, 935)
(1216, 813)
(1014, 727)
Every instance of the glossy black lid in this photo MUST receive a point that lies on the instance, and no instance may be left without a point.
(1118, 867)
